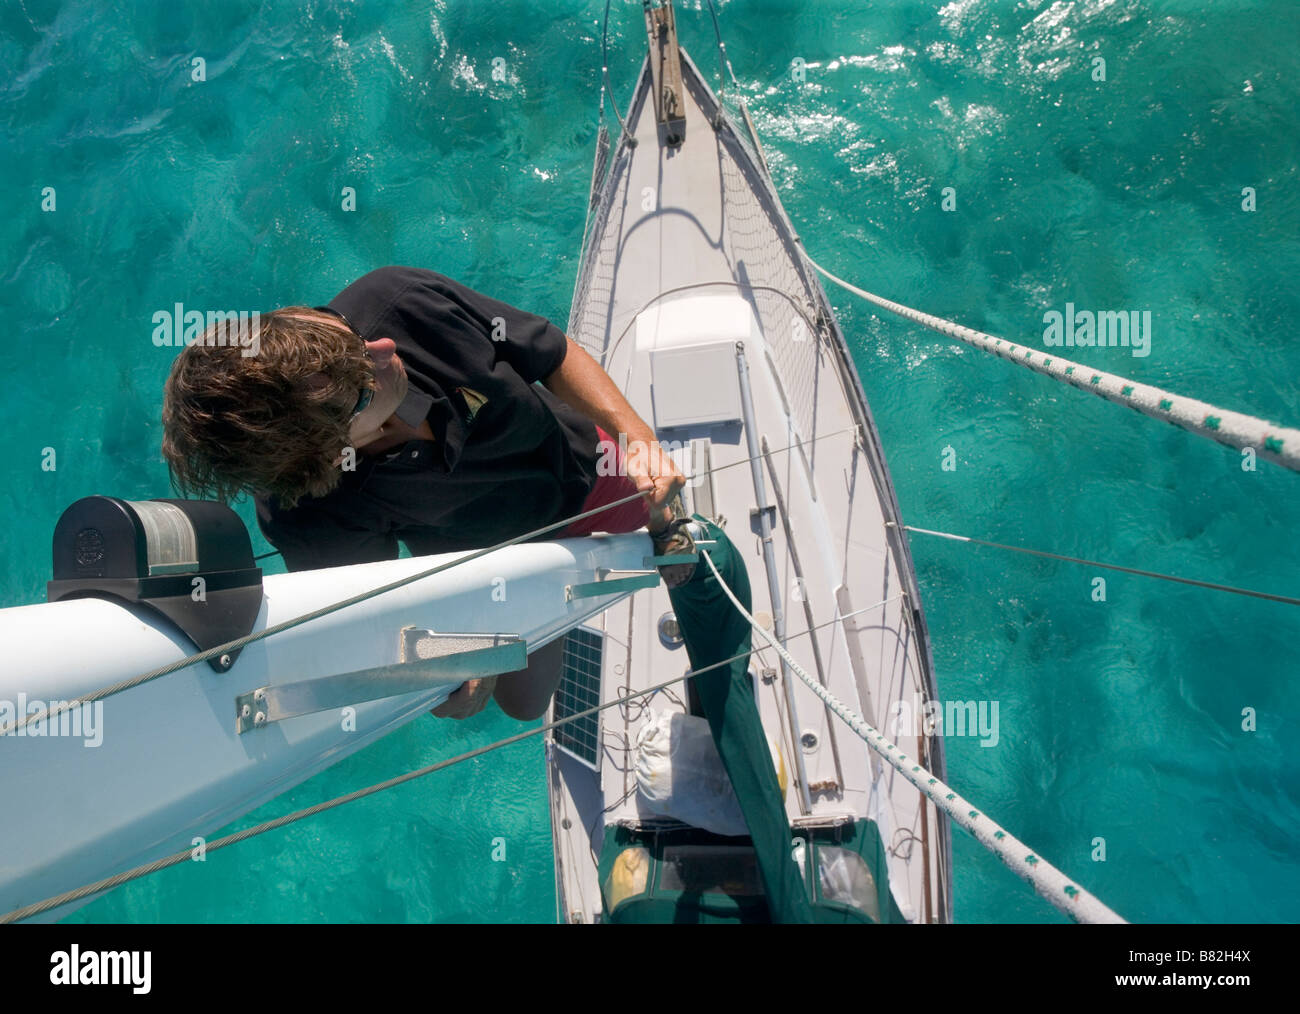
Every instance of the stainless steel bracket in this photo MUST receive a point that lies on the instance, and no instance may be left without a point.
(636, 580)
(426, 660)
(670, 559)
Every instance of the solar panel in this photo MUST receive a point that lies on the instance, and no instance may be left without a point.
(579, 690)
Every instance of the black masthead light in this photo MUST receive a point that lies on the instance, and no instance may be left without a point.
(188, 560)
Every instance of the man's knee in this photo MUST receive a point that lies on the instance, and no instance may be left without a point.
(526, 694)
(521, 711)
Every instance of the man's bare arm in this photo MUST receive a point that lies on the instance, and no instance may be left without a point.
(582, 383)
(585, 386)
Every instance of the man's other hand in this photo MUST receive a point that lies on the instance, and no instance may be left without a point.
(469, 700)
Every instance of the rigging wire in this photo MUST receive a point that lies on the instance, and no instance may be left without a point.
(605, 82)
(1288, 600)
(722, 56)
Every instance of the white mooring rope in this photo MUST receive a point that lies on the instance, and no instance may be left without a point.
(1278, 444)
(1045, 878)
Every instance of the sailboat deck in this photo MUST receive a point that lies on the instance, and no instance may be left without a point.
(686, 245)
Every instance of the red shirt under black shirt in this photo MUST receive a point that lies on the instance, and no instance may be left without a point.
(507, 456)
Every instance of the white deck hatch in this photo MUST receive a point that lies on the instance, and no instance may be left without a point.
(691, 343)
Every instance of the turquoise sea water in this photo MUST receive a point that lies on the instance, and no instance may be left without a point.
(1119, 720)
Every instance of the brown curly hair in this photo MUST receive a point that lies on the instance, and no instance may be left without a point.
(234, 423)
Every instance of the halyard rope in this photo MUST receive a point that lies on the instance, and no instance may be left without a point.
(1045, 878)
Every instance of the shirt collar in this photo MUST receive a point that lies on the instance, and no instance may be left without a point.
(425, 400)
(444, 417)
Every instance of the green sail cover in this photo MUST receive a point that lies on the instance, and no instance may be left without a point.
(713, 630)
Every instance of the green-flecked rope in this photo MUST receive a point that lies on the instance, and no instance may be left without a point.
(1046, 879)
(1278, 444)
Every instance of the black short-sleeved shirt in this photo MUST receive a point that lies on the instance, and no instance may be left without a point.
(507, 456)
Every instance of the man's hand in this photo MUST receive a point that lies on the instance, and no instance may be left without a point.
(653, 470)
(469, 700)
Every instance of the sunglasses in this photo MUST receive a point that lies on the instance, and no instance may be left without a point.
(367, 393)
